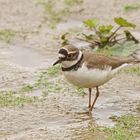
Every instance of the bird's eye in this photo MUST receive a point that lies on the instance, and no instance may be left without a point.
(70, 56)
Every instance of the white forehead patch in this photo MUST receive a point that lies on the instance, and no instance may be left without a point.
(61, 55)
(65, 49)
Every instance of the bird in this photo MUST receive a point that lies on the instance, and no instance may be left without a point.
(88, 69)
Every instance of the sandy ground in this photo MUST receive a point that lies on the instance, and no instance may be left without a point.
(21, 59)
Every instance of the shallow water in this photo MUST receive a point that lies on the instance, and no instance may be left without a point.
(26, 57)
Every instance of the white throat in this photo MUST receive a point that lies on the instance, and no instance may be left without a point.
(67, 64)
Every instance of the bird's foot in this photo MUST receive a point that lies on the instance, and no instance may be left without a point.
(89, 106)
(83, 111)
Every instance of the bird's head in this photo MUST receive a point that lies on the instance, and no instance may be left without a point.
(68, 55)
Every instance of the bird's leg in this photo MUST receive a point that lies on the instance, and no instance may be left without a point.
(89, 103)
(97, 95)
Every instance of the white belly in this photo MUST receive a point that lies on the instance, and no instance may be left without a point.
(89, 78)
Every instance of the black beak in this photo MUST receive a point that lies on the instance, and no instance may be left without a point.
(58, 61)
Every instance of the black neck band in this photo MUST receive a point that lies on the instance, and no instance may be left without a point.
(73, 67)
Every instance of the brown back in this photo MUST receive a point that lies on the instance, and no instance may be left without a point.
(101, 61)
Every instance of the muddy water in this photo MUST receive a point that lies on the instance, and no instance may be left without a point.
(26, 57)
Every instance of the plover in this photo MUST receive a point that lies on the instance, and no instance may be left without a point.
(91, 70)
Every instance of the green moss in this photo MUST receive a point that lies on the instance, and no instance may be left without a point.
(73, 2)
(80, 91)
(10, 98)
(131, 7)
(127, 128)
(133, 70)
(54, 14)
(6, 35)
(54, 70)
(27, 88)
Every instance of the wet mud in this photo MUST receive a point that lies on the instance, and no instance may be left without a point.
(60, 115)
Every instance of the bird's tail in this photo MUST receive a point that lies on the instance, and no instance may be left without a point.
(136, 56)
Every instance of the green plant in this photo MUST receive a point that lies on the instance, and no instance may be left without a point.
(120, 134)
(42, 81)
(80, 91)
(105, 35)
(130, 7)
(7, 34)
(133, 70)
(123, 23)
(54, 70)
(27, 88)
(48, 82)
(91, 23)
(54, 14)
(11, 98)
(73, 2)
(127, 128)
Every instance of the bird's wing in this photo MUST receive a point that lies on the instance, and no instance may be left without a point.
(101, 61)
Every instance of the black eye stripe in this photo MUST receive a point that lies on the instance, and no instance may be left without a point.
(70, 55)
(63, 51)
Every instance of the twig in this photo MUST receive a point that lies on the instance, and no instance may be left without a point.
(114, 33)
